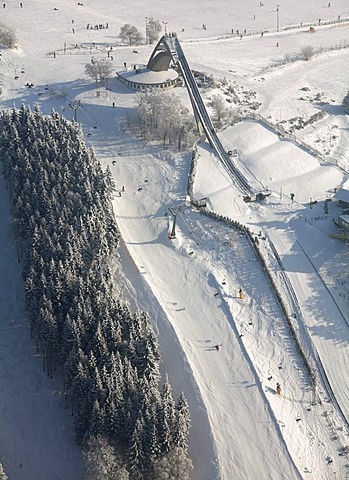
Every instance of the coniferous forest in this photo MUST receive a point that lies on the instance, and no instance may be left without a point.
(125, 417)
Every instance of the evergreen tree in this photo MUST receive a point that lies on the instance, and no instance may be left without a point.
(182, 424)
(97, 420)
(79, 395)
(166, 418)
(65, 231)
(136, 454)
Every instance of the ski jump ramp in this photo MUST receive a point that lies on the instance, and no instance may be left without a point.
(169, 46)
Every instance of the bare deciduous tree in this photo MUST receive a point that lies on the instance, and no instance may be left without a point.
(131, 34)
(163, 117)
(308, 52)
(101, 461)
(218, 106)
(7, 36)
(91, 71)
(100, 70)
(173, 466)
(153, 30)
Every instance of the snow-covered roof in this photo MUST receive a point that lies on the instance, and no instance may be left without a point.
(148, 77)
(342, 194)
(344, 219)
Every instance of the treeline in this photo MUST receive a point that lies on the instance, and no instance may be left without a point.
(108, 357)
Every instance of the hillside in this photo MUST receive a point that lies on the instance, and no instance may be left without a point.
(240, 427)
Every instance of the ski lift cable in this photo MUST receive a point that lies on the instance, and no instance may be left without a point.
(219, 262)
(197, 240)
(17, 66)
(200, 243)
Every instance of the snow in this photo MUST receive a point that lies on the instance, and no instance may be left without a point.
(343, 194)
(145, 76)
(344, 218)
(241, 428)
(279, 162)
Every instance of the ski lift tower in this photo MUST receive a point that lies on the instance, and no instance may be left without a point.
(174, 211)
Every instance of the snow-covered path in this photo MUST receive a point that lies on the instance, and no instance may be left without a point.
(185, 289)
(186, 276)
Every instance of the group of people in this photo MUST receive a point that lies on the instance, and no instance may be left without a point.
(99, 26)
(238, 32)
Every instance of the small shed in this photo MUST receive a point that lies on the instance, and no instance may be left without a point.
(343, 222)
(201, 202)
(342, 195)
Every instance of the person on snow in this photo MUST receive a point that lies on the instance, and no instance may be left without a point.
(278, 388)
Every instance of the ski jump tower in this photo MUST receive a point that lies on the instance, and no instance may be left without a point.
(169, 49)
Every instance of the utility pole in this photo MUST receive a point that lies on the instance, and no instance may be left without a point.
(277, 17)
(165, 24)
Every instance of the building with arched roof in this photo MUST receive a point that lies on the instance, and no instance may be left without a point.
(156, 74)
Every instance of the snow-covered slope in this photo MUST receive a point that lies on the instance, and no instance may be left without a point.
(241, 428)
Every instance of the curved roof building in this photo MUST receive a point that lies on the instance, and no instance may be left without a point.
(157, 73)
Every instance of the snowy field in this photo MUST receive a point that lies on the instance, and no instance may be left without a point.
(241, 429)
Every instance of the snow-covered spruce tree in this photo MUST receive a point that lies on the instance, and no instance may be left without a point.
(181, 424)
(97, 420)
(108, 356)
(136, 453)
(79, 398)
(166, 418)
(151, 445)
(47, 335)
